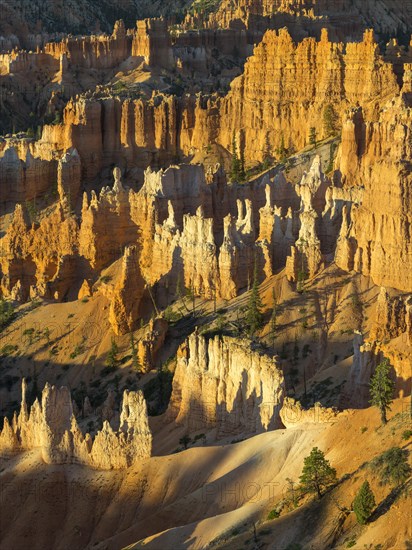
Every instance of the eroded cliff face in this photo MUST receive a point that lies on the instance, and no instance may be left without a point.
(286, 87)
(343, 17)
(378, 242)
(51, 427)
(223, 383)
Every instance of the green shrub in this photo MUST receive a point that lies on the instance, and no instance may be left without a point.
(407, 434)
(393, 466)
(6, 313)
(273, 514)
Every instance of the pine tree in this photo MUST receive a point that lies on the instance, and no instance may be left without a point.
(381, 389)
(313, 137)
(254, 316)
(273, 324)
(135, 357)
(267, 158)
(235, 170)
(364, 503)
(317, 473)
(329, 120)
(282, 151)
(112, 360)
(242, 171)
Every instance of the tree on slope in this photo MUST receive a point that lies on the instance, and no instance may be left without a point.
(364, 503)
(254, 316)
(317, 473)
(381, 389)
(236, 168)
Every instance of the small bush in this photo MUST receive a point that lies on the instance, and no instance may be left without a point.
(407, 434)
(8, 349)
(393, 466)
(273, 514)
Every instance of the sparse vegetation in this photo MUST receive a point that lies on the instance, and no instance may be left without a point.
(393, 466)
(135, 358)
(330, 120)
(407, 434)
(7, 313)
(273, 514)
(185, 441)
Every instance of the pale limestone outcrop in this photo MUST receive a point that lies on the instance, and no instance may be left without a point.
(236, 259)
(198, 250)
(292, 413)
(223, 383)
(100, 246)
(51, 427)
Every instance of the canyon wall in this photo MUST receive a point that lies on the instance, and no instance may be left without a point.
(343, 17)
(378, 241)
(286, 87)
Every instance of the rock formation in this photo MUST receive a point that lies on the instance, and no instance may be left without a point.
(378, 242)
(51, 427)
(342, 17)
(267, 107)
(222, 383)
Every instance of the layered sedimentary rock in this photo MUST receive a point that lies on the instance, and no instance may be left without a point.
(222, 383)
(344, 17)
(39, 256)
(130, 132)
(286, 87)
(106, 225)
(378, 242)
(51, 427)
(152, 42)
(25, 177)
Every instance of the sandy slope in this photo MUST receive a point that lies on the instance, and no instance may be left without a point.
(188, 499)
